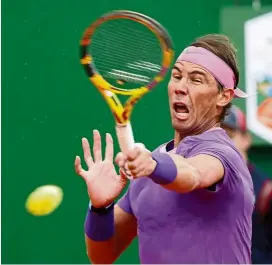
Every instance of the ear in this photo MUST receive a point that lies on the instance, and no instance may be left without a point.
(225, 97)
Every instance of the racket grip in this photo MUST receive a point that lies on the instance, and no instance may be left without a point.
(126, 141)
(125, 137)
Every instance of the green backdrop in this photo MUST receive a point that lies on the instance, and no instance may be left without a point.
(48, 105)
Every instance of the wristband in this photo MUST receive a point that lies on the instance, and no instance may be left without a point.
(165, 171)
(102, 210)
(99, 223)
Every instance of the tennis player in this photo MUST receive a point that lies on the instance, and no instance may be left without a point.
(235, 126)
(191, 199)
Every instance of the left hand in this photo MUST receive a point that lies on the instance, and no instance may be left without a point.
(138, 161)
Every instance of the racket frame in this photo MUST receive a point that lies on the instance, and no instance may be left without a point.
(122, 113)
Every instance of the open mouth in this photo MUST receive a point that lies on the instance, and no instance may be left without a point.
(181, 110)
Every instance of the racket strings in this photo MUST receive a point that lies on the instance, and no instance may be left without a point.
(126, 50)
(127, 31)
(110, 41)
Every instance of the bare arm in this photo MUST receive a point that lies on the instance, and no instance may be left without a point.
(107, 252)
(200, 171)
(181, 174)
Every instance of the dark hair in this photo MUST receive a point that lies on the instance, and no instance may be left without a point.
(221, 46)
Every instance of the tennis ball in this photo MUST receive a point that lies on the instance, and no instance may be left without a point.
(44, 200)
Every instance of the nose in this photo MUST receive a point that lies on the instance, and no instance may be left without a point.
(181, 87)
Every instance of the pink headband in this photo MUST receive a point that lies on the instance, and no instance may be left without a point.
(215, 65)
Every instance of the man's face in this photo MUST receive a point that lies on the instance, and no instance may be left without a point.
(194, 98)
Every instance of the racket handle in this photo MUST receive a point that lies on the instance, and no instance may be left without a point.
(126, 140)
(125, 137)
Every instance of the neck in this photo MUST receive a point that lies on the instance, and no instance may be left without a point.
(179, 136)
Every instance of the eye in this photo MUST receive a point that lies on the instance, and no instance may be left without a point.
(176, 76)
(196, 80)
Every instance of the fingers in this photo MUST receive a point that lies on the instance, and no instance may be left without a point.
(141, 170)
(120, 159)
(127, 172)
(87, 152)
(97, 153)
(139, 165)
(109, 148)
(133, 158)
(122, 174)
(140, 145)
(135, 152)
(97, 146)
(78, 168)
(138, 162)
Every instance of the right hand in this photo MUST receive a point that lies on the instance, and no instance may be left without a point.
(104, 185)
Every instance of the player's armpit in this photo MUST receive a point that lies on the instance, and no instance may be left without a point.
(125, 230)
(201, 171)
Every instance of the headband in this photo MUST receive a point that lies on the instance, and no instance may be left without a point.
(213, 64)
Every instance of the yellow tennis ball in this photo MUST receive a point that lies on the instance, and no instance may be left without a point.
(44, 200)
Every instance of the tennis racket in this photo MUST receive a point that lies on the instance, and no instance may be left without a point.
(125, 53)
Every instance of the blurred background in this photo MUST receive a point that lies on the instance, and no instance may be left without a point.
(47, 107)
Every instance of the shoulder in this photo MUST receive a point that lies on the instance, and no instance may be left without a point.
(215, 142)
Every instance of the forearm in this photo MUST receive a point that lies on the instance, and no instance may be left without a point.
(187, 177)
(113, 248)
(173, 172)
(109, 233)
(100, 237)
(104, 252)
